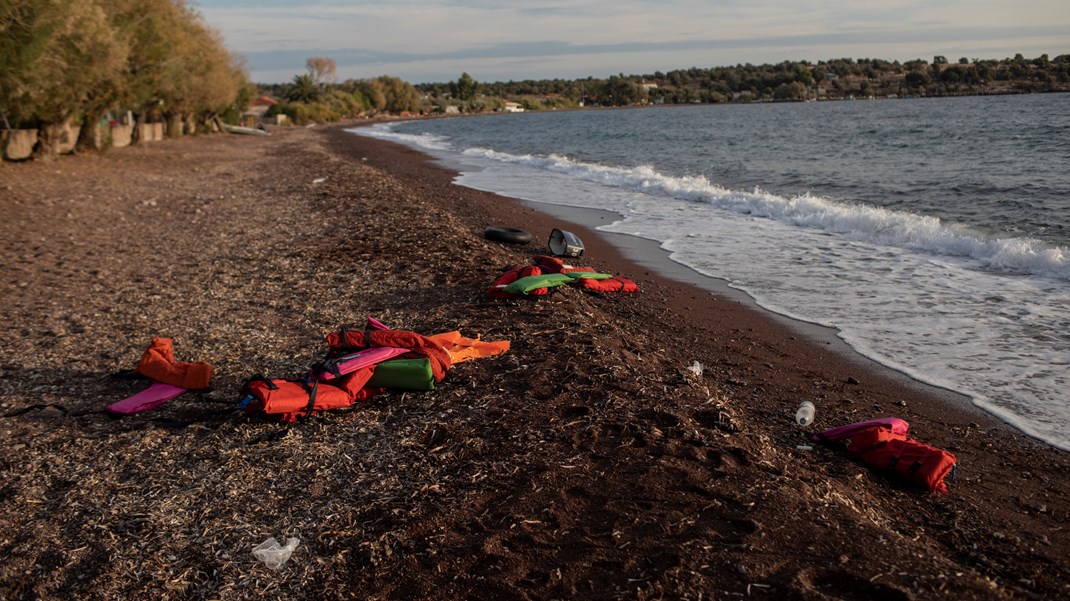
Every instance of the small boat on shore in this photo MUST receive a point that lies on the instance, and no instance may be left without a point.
(249, 131)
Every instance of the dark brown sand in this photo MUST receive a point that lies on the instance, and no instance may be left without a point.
(588, 462)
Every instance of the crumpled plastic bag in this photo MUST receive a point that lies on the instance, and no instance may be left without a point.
(273, 555)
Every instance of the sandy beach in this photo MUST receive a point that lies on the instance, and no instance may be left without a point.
(588, 462)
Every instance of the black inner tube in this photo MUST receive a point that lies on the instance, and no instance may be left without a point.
(512, 235)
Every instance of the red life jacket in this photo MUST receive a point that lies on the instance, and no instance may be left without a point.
(555, 265)
(512, 275)
(890, 451)
(614, 284)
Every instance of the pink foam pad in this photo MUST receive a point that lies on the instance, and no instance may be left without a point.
(352, 362)
(150, 398)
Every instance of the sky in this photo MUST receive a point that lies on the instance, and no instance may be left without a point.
(423, 41)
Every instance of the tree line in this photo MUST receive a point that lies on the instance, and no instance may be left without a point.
(788, 80)
(78, 60)
(315, 97)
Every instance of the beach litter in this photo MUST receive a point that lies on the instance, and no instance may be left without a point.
(170, 378)
(360, 364)
(883, 444)
(565, 244)
(530, 281)
(275, 555)
(695, 368)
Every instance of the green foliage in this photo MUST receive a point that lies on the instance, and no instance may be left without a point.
(465, 87)
(303, 89)
(63, 58)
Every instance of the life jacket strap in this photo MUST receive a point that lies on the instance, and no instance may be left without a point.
(311, 390)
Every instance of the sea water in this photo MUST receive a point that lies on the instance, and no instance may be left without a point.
(933, 234)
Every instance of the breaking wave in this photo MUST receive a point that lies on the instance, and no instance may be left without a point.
(861, 222)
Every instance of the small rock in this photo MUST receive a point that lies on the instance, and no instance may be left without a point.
(852, 380)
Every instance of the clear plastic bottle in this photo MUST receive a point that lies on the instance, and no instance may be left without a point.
(804, 416)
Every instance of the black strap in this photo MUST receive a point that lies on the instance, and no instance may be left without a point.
(311, 390)
(342, 338)
(367, 337)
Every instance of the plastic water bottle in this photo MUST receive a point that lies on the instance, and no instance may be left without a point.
(804, 416)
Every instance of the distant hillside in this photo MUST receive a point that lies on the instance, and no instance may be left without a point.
(801, 80)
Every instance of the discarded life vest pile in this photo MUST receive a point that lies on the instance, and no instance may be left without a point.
(549, 272)
(170, 378)
(362, 363)
(883, 444)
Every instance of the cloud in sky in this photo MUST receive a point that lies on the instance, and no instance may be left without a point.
(437, 40)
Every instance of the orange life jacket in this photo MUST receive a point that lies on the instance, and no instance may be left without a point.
(158, 362)
(293, 399)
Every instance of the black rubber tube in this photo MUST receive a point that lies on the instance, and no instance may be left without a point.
(511, 235)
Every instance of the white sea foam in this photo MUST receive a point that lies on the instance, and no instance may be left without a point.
(385, 131)
(876, 224)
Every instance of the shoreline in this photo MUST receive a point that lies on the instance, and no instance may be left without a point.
(647, 254)
(587, 462)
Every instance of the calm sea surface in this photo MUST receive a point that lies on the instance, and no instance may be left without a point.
(934, 234)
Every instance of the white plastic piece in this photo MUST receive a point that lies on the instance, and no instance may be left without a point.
(804, 416)
(695, 368)
(273, 555)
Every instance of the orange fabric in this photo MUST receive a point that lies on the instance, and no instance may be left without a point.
(158, 362)
(288, 399)
(614, 284)
(418, 345)
(461, 349)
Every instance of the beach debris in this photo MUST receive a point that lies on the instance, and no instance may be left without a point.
(358, 366)
(549, 272)
(804, 447)
(170, 378)
(274, 555)
(319, 180)
(695, 368)
(883, 444)
(565, 244)
(511, 235)
(804, 415)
